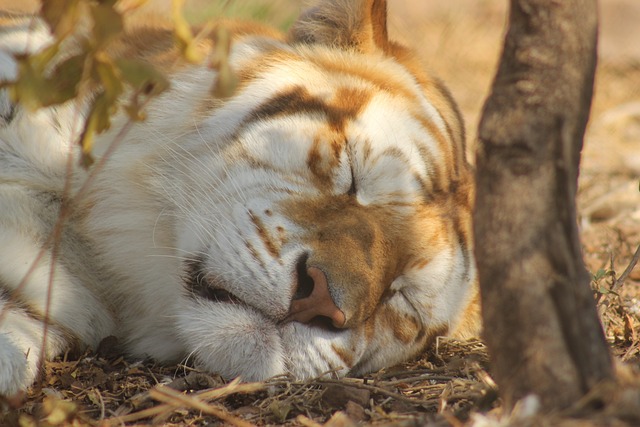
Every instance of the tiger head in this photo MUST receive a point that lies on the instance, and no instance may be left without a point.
(325, 207)
(317, 220)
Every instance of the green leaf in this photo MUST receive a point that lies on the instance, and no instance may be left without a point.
(41, 60)
(30, 85)
(98, 121)
(145, 80)
(605, 291)
(183, 36)
(599, 274)
(38, 87)
(107, 23)
(64, 80)
(109, 77)
(62, 16)
(142, 76)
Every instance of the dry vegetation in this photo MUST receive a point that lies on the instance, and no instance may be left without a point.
(450, 384)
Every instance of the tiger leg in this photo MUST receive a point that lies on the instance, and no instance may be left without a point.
(38, 290)
(21, 339)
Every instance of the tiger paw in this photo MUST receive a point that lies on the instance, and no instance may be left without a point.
(14, 376)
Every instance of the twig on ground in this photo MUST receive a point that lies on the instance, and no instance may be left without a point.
(171, 399)
(378, 390)
(409, 372)
(233, 387)
(426, 377)
(176, 399)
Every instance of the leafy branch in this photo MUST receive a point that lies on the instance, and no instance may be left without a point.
(48, 78)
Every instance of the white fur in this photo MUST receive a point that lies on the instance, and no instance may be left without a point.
(182, 187)
(14, 375)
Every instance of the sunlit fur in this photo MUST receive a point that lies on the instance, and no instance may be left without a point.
(335, 152)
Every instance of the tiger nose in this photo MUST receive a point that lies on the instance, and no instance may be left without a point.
(318, 303)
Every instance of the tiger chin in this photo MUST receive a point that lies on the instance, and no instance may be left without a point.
(317, 221)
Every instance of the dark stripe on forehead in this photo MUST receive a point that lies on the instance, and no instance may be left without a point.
(344, 106)
(323, 160)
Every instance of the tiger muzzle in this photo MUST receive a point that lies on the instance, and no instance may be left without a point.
(319, 304)
(351, 258)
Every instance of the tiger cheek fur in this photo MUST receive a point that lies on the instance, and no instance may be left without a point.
(318, 220)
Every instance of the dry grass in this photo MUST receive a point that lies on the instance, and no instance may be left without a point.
(443, 385)
(460, 41)
(448, 386)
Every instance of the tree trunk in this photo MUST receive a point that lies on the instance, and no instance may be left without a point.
(541, 325)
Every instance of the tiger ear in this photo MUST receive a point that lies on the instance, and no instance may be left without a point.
(349, 24)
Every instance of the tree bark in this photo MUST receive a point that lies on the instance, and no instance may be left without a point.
(540, 320)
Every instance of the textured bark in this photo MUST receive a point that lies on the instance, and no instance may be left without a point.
(541, 325)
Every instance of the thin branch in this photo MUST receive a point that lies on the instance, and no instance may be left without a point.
(620, 280)
(426, 377)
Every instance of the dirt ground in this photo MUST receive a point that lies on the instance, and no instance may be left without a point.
(449, 385)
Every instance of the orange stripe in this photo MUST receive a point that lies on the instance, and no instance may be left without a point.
(266, 238)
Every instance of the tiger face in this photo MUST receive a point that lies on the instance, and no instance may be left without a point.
(331, 231)
(329, 245)
(317, 221)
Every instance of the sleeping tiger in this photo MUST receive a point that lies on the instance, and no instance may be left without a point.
(316, 221)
